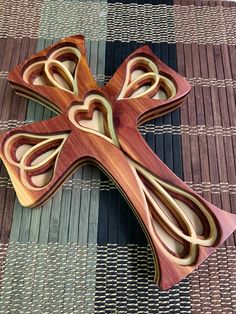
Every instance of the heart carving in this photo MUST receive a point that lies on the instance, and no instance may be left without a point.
(183, 229)
(94, 116)
(143, 80)
(94, 121)
(58, 70)
(35, 156)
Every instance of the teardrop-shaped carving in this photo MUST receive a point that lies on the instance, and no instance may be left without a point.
(180, 221)
(58, 70)
(143, 80)
(34, 156)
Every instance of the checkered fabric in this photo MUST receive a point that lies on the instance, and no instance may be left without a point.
(84, 251)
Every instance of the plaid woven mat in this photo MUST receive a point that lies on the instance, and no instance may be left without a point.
(83, 251)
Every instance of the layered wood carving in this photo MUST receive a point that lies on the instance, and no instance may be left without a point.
(99, 125)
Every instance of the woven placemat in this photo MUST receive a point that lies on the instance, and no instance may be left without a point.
(83, 251)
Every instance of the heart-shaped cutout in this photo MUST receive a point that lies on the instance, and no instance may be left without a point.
(58, 70)
(96, 122)
(35, 156)
(94, 116)
(143, 80)
(180, 221)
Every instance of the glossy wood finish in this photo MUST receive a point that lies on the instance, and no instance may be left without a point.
(99, 126)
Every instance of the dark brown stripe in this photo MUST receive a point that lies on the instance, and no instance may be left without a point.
(213, 285)
(13, 51)
(204, 22)
(209, 159)
(202, 3)
(20, 18)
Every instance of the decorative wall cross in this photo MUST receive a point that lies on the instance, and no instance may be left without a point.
(99, 126)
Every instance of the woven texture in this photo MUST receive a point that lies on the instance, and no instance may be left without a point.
(84, 251)
(124, 283)
(213, 286)
(57, 278)
(48, 278)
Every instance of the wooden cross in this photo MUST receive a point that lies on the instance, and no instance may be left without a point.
(99, 126)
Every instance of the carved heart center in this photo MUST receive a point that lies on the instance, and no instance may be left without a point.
(95, 120)
(94, 116)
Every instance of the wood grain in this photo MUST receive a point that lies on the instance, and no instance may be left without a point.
(99, 126)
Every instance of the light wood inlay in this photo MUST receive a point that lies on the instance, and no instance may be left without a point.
(100, 126)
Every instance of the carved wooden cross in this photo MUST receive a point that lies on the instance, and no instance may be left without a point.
(99, 126)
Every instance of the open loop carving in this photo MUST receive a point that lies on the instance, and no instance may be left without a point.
(143, 80)
(183, 228)
(58, 70)
(174, 222)
(35, 156)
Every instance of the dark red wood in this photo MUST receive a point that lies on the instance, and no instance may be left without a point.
(113, 143)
